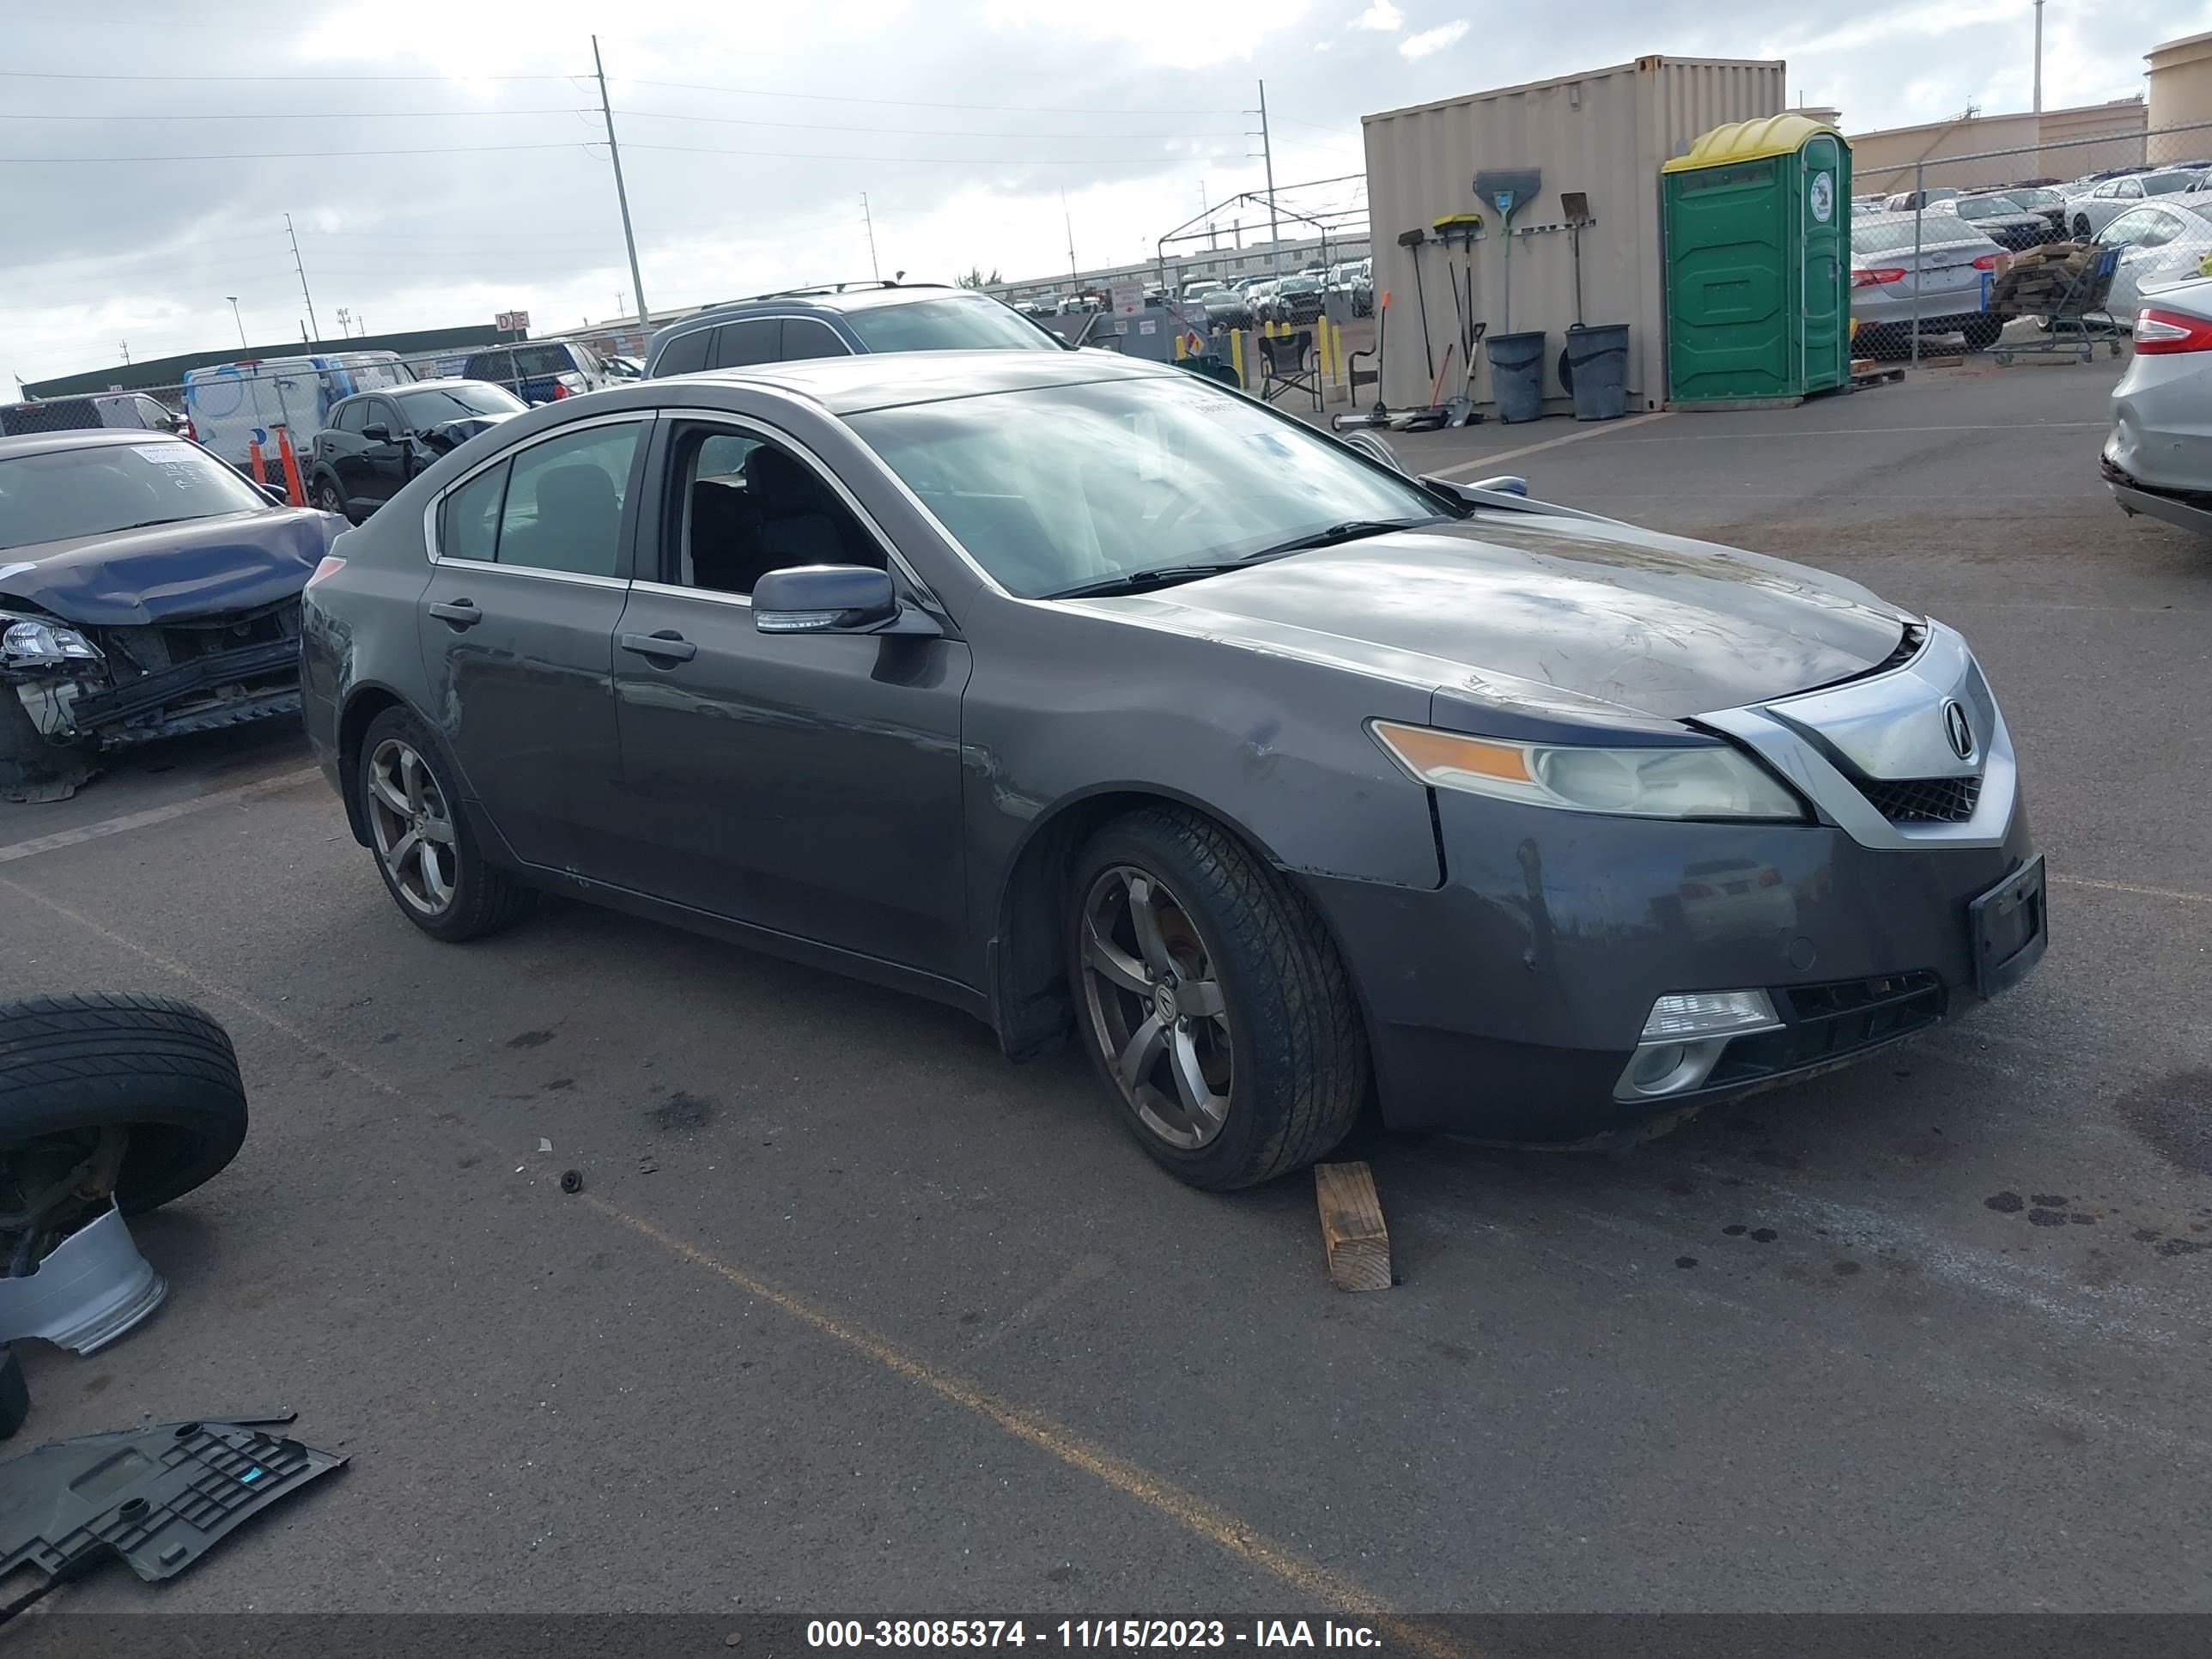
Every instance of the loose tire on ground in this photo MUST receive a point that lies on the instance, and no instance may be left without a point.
(1297, 1049)
(160, 1067)
(485, 899)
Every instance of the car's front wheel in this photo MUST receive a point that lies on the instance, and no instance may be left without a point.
(425, 850)
(329, 498)
(2081, 228)
(1212, 1001)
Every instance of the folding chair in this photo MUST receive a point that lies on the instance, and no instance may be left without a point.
(1289, 365)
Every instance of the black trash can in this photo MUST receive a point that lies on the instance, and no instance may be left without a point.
(1593, 369)
(1517, 374)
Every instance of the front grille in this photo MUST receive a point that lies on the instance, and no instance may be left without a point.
(1832, 1022)
(1923, 800)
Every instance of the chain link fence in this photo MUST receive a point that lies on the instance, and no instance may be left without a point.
(2037, 249)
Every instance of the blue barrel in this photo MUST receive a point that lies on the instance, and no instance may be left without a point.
(1517, 374)
(1593, 369)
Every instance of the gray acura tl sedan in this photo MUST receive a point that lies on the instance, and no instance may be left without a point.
(1079, 692)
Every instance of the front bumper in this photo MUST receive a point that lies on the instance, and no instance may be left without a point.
(1507, 1002)
(79, 704)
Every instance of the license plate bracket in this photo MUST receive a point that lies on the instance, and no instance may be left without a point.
(2009, 928)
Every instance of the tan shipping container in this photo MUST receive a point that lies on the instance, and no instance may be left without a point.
(1604, 132)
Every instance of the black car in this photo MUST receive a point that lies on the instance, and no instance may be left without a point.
(131, 410)
(2005, 222)
(377, 441)
(1083, 694)
(146, 590)
(845, 319)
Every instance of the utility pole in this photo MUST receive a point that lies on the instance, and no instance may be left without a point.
(1073, 274)
(240, 320)
(303, 270)
(1268, 150)
(2038, 58)
(868, 219)
(622, 195)
(126, 344)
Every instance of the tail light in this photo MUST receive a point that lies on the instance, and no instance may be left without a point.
(189, 432)
(2158, 332)
(1990, 262)
(567, 385)
(1770, 877)
(1876, 277)
(331, 566)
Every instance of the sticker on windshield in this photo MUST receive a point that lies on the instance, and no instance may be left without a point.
(173, 460)
(1822, 196)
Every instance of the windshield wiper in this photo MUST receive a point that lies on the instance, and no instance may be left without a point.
(1136, 582)
(1351, 530)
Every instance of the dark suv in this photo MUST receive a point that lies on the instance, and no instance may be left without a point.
(849, 318)
(123, 409)
(377, 441)
(542, 372)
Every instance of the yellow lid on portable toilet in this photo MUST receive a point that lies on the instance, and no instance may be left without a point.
(1748, 141)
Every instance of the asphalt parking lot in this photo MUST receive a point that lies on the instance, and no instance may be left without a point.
(855, 1317)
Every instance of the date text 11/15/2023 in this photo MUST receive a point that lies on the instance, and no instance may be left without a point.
(1087, 1633)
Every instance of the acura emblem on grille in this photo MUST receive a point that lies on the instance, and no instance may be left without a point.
(1956, 728)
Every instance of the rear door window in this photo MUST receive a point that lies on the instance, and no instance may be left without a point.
(564, 501)
(754, 340)
(468, 519)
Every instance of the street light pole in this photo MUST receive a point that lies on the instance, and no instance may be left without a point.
(622, 195)
(240, 320)
(2038, 59)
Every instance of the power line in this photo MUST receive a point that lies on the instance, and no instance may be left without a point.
(840, 156)
(71, 74)
(301, 115)
(294, 154)
(917, 132)
(917, 103)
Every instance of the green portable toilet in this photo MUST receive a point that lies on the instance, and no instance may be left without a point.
(1758, 299)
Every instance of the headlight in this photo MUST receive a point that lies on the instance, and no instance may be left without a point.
(1708, 781)
(30, 642)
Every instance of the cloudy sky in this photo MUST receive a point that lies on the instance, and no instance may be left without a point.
(442, 162)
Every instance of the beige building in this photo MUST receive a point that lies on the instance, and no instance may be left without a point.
(2180, 82)
(1604, 133)
(2059, 143)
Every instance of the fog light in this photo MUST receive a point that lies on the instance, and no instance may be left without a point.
(1684, 1038)
(1709, 1013)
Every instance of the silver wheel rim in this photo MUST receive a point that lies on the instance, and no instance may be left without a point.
(1155, 1006)
(412, 828)
(326, 497)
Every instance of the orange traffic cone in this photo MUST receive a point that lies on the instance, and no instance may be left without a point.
(291, 464)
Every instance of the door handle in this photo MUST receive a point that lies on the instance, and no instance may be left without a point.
(461, 613)
(667, 644)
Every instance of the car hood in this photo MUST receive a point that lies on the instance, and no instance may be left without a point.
(1557, 617)
(452, 434)
(171, 572)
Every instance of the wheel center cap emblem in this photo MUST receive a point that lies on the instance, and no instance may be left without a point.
(1163, 1003)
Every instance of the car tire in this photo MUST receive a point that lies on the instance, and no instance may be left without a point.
(2081, 232)
(325, 495)
(160, 1069)
(1982, 332)
(1258, 1012)
(425, 847)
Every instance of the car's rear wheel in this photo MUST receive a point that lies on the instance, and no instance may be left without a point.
(425, 850)
(1982, 332)
(1212, 1001)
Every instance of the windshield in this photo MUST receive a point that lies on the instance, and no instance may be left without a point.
(948, 324)
(1985, 207)
(1059, 486)
(2037, 198)
(92, 491)
(423, 410)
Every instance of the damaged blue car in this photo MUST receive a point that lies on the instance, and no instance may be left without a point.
(146, 590)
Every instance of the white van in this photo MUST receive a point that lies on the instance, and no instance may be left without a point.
(232, 406)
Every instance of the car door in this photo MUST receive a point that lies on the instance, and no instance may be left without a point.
(2143, 237)
(341, 445)
(384, 460)
(807, 784)
(530, 567)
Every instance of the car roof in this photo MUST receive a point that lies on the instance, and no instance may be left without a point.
(857, 299)
(86, 437)
(883, 379)
(414, 386)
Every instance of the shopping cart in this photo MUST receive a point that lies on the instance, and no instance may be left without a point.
(2069, 295)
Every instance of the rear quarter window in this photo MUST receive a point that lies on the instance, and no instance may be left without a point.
(684, 355)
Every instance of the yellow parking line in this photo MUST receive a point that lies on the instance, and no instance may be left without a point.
(1193, 1514)
(2181, 893)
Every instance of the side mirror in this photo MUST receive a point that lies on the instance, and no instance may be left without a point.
(826, 598)
(275, 493)
(1505, 484)
(1375, 448)
(379, 433)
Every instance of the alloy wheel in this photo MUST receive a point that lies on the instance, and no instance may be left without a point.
(412, 827)
(328, 499)
(1155, 1006)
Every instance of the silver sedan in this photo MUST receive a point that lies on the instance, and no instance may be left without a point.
(2162, 243)
(2159, 457)
(1931, 272)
